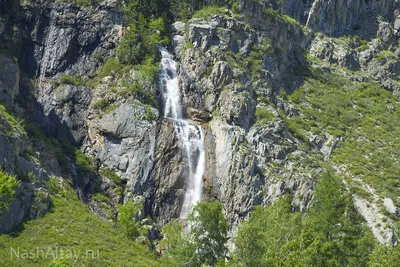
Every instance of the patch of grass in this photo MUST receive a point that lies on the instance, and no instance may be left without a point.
(108, 173)
(385, 55)
(14, 124)
(27, 177)
(71, 226)
(8, 186)
(365, 114)
(263, 116)
(75, 80)
(111, 66)
(83, 161)
(141, 88)
(86, 3)
(104, 106)
(100, 198)
(275, 14)
(208, 11)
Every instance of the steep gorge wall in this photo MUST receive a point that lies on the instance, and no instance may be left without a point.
(223, 85)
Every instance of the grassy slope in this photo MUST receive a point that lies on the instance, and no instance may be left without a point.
(72, 226)
(364, 114)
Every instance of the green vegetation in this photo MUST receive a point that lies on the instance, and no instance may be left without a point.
(75, 80)
(275, 14)
(82, 161)
(263, 116)
(205, 243)
(71, 226)
(27, 177)
(14, 124)
(128, 221)
(208, 11)
(105, 106)
(331, 233)
(364, 114)
(110, 175)
(384, 256)
(363, 46)
(8, 185)
(145, 76)
(385, 55)
(87, 3)
(184, 10)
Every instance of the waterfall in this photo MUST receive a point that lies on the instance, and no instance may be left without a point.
(190, 135)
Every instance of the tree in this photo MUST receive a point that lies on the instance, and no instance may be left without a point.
(208, 231)
(264, 237)
(384, 256)
(205, 242)
(8, 185)
(128, 218)
(331, 233)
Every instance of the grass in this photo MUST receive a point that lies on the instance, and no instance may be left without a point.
(75, 80)
(263, 116)
(275, 14)
(14, 125)
(110, 175)
(71, 226)
(87, 3)
(385, 55)
(208, 11)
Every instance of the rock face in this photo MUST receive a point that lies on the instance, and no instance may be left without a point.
(234, 73)
(31, 198)
(9, 81)
(342, 17)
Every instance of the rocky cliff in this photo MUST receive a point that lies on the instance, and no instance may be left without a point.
(238, 72)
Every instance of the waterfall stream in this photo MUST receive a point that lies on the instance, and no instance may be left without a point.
(190, 135)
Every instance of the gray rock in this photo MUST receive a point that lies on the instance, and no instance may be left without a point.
(9, 81)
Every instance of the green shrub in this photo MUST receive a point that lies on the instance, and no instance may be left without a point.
(8, 185)
(263, 116)
(128, 219)
(72, 80)
(106, 172)
(83, 162)
(208, 11)
(87, 3)
(15, 124)
(111, 65)
(100, 198)
(148, 114)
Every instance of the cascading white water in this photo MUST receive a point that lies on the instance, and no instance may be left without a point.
(190, 135)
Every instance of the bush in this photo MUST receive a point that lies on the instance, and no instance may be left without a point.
(128, 220)
(8, 185)
(83, 162)
(72, 80)
(111, 66)
(106, 172)
(263, 116)
(15, 124)
(205, 243)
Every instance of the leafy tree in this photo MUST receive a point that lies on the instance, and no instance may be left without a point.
(330, 234)
(205, 242)
(8, 185)
(128, 218)
(208, 231)
(260, 239)
(384, 256)
(174, 244)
